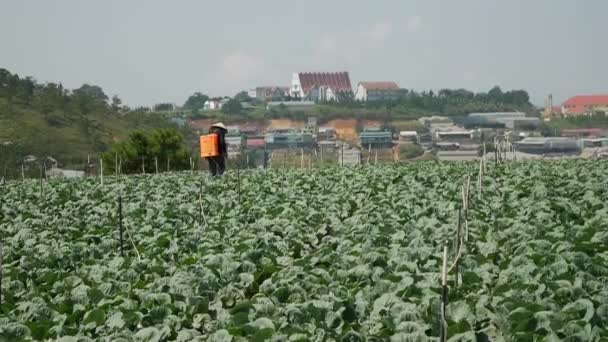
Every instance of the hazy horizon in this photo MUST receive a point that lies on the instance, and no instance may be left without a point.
(148, 52)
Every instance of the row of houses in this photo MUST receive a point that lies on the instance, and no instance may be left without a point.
(327, 86)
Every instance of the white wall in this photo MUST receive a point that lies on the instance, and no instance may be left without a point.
(361, 94)
(296, 86)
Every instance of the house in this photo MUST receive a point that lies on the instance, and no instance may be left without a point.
(583, 132)
(511, 120)
(378, 91)
(292, 106)
(408, 136)
(375, 137)
(255, 143)
(550, 145)
(269, 93)
(320, 86)
(212, 104)
(585, 104)
(288, 139)
(326, 134)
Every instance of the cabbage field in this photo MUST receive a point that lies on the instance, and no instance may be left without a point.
(309, 255)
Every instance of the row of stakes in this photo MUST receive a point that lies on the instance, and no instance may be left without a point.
(501, 150)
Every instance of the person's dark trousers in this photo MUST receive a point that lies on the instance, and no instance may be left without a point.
(217, 165)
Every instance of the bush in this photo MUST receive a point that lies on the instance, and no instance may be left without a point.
(143, 147)
(409, 151)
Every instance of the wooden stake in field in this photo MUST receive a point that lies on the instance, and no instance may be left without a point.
(465, 205)
(191, 165)
(0, 272)
(116, 164)
(156, 164)
(41, 183)
(143, 165)
(301, 158)
(321, 155)
(444, 295)
(101, 170)
(480, 176)
(120, 228)
(22, 172)
(201, 212)
(168, 164)
(238, 180)
(376, 158)
(458, 249)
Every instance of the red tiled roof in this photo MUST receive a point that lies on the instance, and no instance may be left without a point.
(337, 81)
(385, 85)
(586, 100)
(575, 109)
(256, 143)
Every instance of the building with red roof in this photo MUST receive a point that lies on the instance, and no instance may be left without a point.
(585, 104)
(378, 91)
(320, 86)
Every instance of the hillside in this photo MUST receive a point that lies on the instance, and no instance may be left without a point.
(46, 120)
(65, 136)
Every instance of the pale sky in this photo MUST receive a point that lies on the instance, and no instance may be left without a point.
(151, 51)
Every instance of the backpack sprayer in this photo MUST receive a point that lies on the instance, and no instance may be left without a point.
(209, 145)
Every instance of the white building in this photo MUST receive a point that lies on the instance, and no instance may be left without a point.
(378, 91)
(212, 105)
(320, 86)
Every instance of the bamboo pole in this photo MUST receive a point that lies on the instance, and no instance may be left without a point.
(444, 294)
(321, 155)
(480, 176)
(120, 227)
(202, 218)
(238, 178)
(465, 205)
(458, 249)
(1, 272)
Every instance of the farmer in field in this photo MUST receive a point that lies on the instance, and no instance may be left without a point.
(217, 165)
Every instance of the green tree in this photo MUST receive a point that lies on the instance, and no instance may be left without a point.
(143, 148)
(196, 101)
(243, 97)
(163, 107)
(116, 103)
(233, 106)
(89, 97)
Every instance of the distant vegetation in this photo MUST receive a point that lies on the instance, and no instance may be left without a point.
(46, 119)
(553, 127)
(448, 102)
(147, 150)
(413, 105)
